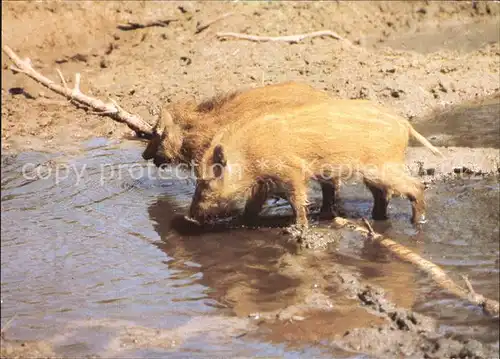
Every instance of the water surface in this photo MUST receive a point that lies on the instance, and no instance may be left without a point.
(98, 256)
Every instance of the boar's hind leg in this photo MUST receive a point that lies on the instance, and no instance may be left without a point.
(397, 181)
(380, 202)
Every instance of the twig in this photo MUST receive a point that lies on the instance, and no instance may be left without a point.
(439, 276)
(135, 122)
(200, 28)
(468, 284)
(289, 38)
(62, 78)
(135, 25)
(369, 226)
(8, 324)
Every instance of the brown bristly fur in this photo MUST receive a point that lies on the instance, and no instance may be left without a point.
(292, 145)
(185, 129)
(188, 133)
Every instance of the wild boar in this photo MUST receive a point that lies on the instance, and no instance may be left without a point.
(184, 130)
(325, 141)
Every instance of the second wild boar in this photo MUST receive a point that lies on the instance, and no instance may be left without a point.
(325, 141)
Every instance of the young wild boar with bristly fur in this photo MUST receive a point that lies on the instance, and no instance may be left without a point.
(185, 130)
(324, 141)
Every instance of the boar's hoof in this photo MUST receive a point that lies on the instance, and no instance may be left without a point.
(250, 220)
(377, 216)
(327, 215)
(420, 219)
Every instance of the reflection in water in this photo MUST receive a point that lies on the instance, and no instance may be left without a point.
(85, 263)
(235, 262)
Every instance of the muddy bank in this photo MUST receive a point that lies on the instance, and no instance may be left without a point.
(457, 161)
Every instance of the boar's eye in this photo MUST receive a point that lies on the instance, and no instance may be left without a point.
(157, 132)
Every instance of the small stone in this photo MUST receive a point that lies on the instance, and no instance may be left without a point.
(16, 90)
(104, 63)
(473, 349)
(185, 61)
(254, 316)
(442, 87)
(395, 94)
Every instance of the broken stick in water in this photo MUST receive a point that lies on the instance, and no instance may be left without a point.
(490, 306)
(110, 109)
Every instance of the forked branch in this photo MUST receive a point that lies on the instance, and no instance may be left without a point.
(110, 109)
(439, 276)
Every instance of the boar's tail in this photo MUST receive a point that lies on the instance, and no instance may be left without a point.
(424, 141)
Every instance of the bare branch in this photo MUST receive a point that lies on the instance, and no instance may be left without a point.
(369, 227)
(15, 69)
(8, 324)
(469, 285)
(289, 38)
(200, 28)
(116, 105)
(76, 88)
(135, 122)
(439, 276)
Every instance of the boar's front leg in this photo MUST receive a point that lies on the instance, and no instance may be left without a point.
(255, 203)
(297, 196)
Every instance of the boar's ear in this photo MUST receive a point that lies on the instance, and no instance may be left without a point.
(166, 117)
(219, 157)
(165, 121)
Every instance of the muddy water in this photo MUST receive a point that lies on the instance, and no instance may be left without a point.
(475, 124)
(460, 37)
(96, 260)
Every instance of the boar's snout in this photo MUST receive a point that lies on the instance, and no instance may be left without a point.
(198, 216)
